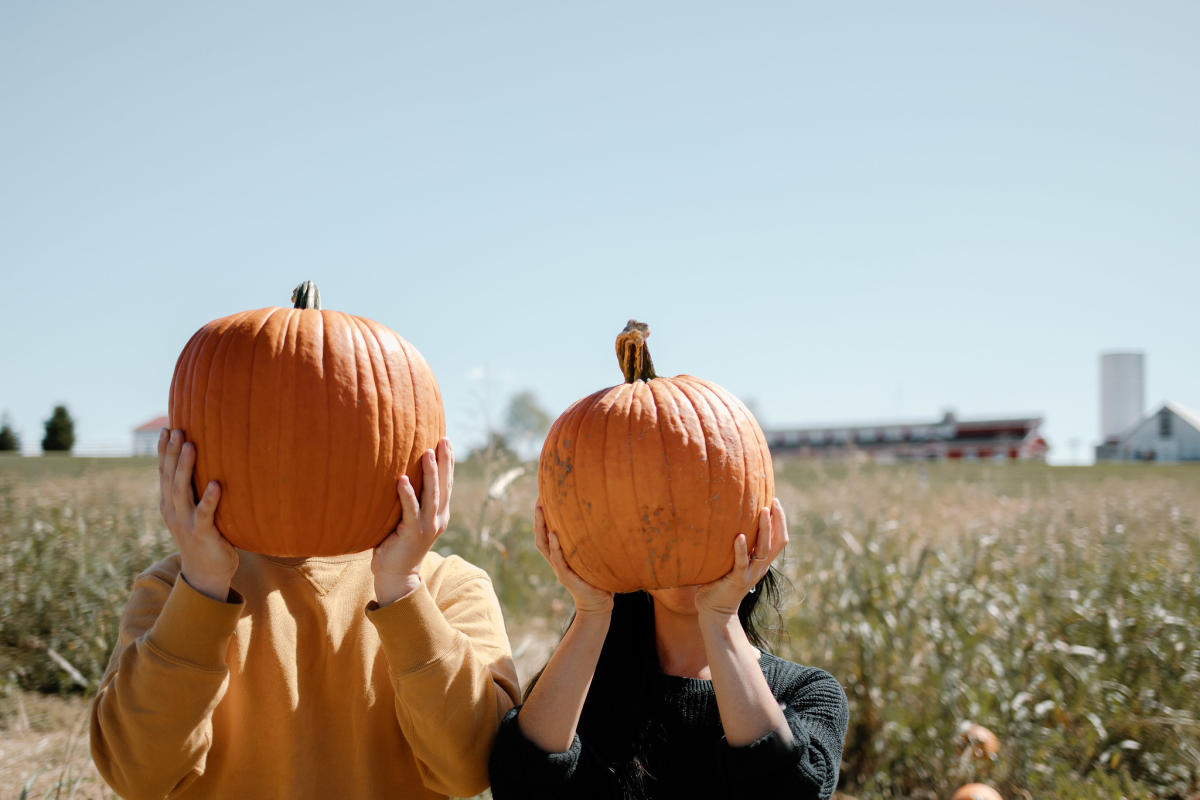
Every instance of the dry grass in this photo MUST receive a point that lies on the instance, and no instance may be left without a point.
(1058, 607)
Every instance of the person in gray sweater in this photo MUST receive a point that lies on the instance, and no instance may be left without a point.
(670, 694)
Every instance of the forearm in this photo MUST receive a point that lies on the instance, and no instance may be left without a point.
(550, 715)
(151, 720)
(748, 709)
(452, 672)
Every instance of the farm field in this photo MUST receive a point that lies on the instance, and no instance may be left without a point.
(1058, 607)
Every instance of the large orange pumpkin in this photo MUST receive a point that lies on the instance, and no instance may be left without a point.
(307, 418)
(647, 483)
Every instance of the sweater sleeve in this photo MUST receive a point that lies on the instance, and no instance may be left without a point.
(151, 721)
(817, 712)
(520, 769)
(452, 670)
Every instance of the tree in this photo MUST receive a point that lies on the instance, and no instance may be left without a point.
(9, 440)
(526, 421)
(60, 431)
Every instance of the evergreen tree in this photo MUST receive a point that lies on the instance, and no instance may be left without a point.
(60, 431)
(8, 437)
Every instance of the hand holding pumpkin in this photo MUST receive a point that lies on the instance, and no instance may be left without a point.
(208, 561)
(397, 558)
(587, 598)
(723, 596)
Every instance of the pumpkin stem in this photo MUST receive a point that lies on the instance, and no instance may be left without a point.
(306, 295)
(632, 354)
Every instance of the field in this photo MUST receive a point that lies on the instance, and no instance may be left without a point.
(1058, 607)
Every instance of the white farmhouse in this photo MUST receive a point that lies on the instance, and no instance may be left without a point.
(145, 437)
(1172, 433)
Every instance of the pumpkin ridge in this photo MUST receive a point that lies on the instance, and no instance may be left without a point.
(664, 447)
(581, 541)
(645, 480)
(193, 423)
(384, 426)
(354, 333)
(241, 476)
(625, 392)
(259, 485)
(290, 348)
(678, 386)
(721, 559)
(592, 563)
(742, 416)
(389, 396)
(327, 389)
(418, 448)
(747, 487)
(211, 462)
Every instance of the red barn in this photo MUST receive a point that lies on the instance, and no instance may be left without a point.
(997, 438)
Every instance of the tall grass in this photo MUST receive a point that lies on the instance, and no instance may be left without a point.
(1060, 608)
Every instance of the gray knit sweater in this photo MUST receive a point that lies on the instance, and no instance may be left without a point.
(681, 747)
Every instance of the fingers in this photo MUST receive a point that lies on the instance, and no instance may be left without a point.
(207, 507)
(408, 500)
(556, 556)
(741, 557)
(445, 468)
(559, 562)
(540, 539)
(762, 544)
(430, 491)
(181, 489)
(168, 459)
(779, 533)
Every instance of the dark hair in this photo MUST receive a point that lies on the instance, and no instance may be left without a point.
(625, 676)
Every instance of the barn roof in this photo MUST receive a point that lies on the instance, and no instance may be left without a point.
(1184, 413)
(152, 425)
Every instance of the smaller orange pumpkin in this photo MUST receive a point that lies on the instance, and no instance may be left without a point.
(976, 791)
(980, 743)
(648, 483)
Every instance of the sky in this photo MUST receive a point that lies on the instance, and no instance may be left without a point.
(840, 212)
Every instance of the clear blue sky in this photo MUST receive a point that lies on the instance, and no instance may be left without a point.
(839, 211)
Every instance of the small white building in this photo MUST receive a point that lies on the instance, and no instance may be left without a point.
(145, 437)
(1172, 433)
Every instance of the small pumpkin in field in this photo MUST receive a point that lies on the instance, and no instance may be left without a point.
(307, 418)
(979, 743)
(976, 791)
(648, 482)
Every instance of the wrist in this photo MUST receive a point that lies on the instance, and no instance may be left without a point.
(717, 623)
(390, 587)
(594, 620)
(599, 609)
(215, 588)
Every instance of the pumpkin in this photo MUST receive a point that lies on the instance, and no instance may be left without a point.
(976, 791)
(647, 483)
(307, 418)
(980, 743)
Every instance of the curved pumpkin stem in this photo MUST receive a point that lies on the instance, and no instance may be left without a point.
(306, 295)
(632, 353)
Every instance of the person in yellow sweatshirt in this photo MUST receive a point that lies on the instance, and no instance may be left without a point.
(371, 675)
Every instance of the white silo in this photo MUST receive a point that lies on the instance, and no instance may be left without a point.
(1122, 393)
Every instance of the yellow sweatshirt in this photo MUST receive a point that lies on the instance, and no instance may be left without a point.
(301, 686)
